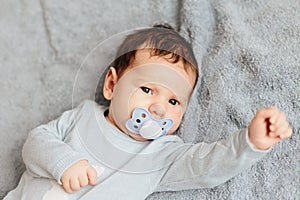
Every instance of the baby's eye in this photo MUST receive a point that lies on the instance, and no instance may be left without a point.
(173, 102)
(146, 90)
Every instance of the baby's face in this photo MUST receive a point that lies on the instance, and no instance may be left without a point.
(154, 84)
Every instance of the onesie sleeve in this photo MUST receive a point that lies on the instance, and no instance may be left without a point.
(205, 165)
(46, 152)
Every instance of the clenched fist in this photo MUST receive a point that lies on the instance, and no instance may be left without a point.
(79, 175)
(268, 127)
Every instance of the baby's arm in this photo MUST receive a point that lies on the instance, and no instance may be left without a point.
(268, 127)
(46, 154)
(207, 165)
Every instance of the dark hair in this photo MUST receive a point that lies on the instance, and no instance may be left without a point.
(162, 40)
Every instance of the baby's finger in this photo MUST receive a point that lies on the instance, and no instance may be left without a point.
(286, 133)
(83, 180)
(278, 119)
(66, 185)
(92, 175)
(283, 132)
(67, 188)
(281, 122)
(275, 116)
(278, 131)
(74, 184)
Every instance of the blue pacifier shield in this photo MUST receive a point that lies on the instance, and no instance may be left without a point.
(144, 124)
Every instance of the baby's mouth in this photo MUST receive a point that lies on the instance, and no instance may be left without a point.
(144, 124)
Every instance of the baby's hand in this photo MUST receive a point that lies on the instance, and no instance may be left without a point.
(79, 175)
(268, 127)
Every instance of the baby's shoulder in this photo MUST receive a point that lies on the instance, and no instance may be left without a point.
(90, 105)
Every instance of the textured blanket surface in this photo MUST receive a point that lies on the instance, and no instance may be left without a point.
(249, 57)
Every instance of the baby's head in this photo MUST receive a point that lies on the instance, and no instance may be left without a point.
(150, 83)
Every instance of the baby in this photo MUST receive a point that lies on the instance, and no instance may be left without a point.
(127, 151)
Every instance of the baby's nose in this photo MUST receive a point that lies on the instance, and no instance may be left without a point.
(157, 111)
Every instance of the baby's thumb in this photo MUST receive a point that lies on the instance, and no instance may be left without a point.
(93, 173)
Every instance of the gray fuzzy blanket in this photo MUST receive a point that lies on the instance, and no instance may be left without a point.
(249, 57)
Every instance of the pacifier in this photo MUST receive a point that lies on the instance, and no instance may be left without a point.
(144, 124)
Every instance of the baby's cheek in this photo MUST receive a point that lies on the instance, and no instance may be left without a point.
(171, 131)
(138, 100)
(176, 123)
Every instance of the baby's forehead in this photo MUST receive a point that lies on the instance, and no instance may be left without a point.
(144, 57)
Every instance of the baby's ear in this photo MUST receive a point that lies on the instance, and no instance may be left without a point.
(111, 79)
